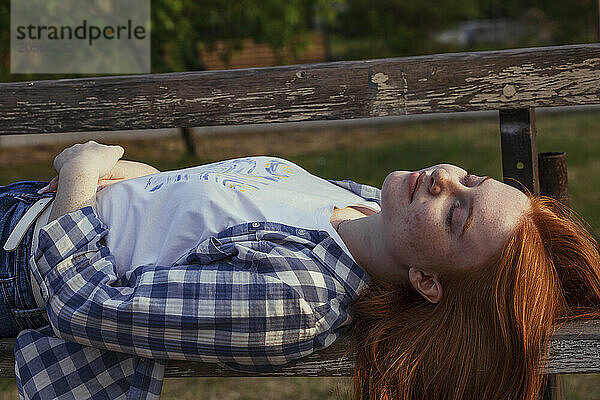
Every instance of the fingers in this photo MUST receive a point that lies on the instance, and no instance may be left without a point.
(53, 184)
(43, 190)
(102, 183)
(107, 180)
(50, 187)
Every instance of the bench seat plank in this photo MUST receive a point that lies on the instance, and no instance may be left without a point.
(575, 348)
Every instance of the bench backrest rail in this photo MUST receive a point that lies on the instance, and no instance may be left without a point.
(508, 79)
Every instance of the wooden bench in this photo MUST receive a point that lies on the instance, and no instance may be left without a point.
(514, 82)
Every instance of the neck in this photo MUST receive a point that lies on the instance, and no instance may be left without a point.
(364, 238)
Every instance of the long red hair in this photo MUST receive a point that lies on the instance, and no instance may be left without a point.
(487, 336)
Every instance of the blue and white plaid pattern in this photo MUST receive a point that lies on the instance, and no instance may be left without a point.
(253, 298)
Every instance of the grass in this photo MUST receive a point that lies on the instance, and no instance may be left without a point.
(366, 155)
(257, 388)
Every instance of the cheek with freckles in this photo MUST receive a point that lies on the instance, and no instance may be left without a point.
(425, 239)
(421, 224)
(417, 228)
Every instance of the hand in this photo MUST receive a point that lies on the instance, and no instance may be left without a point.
(89, 156)
(79, 167)
(122, 170)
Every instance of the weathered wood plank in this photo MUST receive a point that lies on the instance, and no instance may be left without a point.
(520, 78)
(575, 348)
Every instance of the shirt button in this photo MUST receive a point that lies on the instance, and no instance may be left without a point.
(301, 232)
(255, 224)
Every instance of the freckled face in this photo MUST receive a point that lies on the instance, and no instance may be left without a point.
(441, 217)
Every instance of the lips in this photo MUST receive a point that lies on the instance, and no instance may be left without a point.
(414, 182)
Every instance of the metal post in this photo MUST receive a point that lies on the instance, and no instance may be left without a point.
(554, 387)
(553, 176)
(188, 139)
(520, 169)
(519, 149)
(598, 22)
(554, 183)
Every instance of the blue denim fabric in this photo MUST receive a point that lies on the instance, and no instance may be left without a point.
(18, 309)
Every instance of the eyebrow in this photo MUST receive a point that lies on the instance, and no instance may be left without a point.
(469, 219)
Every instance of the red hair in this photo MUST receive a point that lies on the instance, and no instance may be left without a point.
(487, 336)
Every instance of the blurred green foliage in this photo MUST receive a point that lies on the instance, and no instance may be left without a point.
(357, 29)
(181, 27)
(392, 28)
(398, 27)
(572, 21)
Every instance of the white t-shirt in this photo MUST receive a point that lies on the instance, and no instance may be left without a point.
(156, 219)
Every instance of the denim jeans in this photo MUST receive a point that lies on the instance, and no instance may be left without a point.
(18, 309)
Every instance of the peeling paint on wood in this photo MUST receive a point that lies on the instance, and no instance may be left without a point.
(388, 95)
(542, 77)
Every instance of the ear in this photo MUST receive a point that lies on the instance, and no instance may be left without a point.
(427, 284)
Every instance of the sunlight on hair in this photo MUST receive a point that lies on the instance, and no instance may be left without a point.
(488, 336)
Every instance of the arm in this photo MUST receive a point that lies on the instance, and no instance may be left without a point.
(123, 170)
(214, 311)
(79, 168)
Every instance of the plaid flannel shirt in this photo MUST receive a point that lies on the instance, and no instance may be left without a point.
(253, 298)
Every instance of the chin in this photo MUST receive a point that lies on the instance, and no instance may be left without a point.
(391, 189)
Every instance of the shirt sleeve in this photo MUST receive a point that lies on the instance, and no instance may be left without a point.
(47, 367)
(215, 312)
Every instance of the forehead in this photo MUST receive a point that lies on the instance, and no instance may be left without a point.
(499, 205)
(497, 210)
(449, 168)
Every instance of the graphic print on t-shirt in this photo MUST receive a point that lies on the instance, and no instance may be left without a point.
(180, 209)
(239, 174)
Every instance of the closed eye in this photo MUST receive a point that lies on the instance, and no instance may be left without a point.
(468, 178)
(453, 207)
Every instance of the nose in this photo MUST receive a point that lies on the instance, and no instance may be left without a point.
(440, 180)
